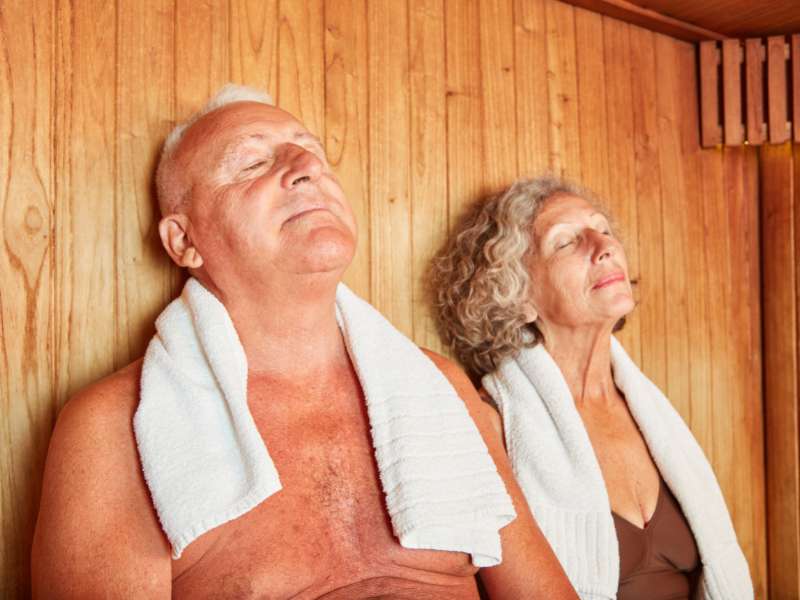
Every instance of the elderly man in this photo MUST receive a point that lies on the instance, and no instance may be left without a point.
(180, 475)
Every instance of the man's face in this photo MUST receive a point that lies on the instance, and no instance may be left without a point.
(262, 195)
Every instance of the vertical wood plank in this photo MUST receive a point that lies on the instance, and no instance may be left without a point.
(530, 79)
(650, 289)
(146, 278)
(389, 155)
(565, 150)
(621, 162)
(699, 367)
(254, 44)
(752, 403)
(673, 188)
(202, 64)
(754, 86)
(709, 94)
(464, 108)
(301, 52)
(496, 21)
(85, 185)
(776, 89)
(719, 280)
(796, 85)
(27, 377)
(732, 91)
(592, 119)
(346, 122)
(428, 152)
(733, 463)
(780, 271)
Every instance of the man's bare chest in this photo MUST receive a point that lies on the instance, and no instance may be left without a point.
(327, 527)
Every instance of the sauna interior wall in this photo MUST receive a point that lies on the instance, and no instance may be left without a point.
(424, 106)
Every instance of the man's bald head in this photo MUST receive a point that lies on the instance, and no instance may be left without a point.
(172, 188)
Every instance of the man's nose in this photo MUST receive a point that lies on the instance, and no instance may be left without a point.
(303, 166)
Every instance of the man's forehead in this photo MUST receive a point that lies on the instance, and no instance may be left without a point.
(240, 123)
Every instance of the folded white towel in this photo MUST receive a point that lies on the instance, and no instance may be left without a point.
(554, 462)
(206, 463)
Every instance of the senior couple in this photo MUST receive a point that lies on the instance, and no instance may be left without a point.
(280, 439)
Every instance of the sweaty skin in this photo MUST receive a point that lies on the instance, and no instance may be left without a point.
(270, 233)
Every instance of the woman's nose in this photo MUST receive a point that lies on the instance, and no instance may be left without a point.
(303, 166)
(602, 247)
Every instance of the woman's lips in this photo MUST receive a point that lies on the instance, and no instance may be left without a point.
(609, 280)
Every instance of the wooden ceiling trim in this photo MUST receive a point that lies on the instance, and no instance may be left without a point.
(777, 54)
(649, 19)
(754, 91)
(796, 85)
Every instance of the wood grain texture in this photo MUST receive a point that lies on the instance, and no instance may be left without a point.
(779, 226)
(464, 107)
(650, 226)
(732, 91)
(301, 62)
(254, 44)
(530, 84)
(672, 170)
(389, 159)
(146, 279)
(562, 88)
(733, 18)
(621, 163)
(346, 123)
(497, 66)
(428, 157)
(754, 93)
(795, 62)
(425, 106)
(27, 321)
(709, 94)
(777, 115)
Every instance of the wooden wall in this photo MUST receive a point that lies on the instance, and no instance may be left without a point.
(424, 106)
(780, 226)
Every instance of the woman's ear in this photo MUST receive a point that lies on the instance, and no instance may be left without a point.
(530, 313)
(173, 230)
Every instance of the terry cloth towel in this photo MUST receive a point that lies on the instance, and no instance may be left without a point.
(206, 463)
(556, 467)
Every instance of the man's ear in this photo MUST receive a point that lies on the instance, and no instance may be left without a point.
(173, 230)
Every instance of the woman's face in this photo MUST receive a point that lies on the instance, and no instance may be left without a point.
(578, 269)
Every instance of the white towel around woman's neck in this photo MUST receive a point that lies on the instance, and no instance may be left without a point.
(554, 462)
(206, 463)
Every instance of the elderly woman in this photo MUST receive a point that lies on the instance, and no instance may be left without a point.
(531, 288)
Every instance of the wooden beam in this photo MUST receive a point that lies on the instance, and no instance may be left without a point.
(776, 89)
(796, 85)
(754, 97)
(649, 19)
(732, 91)
(711, 132)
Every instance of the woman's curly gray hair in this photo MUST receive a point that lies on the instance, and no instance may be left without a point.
(481, 278)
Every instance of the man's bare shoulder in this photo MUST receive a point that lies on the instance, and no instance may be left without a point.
(96, 522)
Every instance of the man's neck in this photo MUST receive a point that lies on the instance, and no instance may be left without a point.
(287, 330)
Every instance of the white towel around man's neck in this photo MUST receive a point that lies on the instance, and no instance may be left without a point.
(205, 462)
(553, 460)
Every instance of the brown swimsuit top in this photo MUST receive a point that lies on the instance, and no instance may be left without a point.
(659, 561)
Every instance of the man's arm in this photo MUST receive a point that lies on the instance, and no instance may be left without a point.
(97, 535)
(529, 568)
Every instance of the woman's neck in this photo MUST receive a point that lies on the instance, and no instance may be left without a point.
(584, 357)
